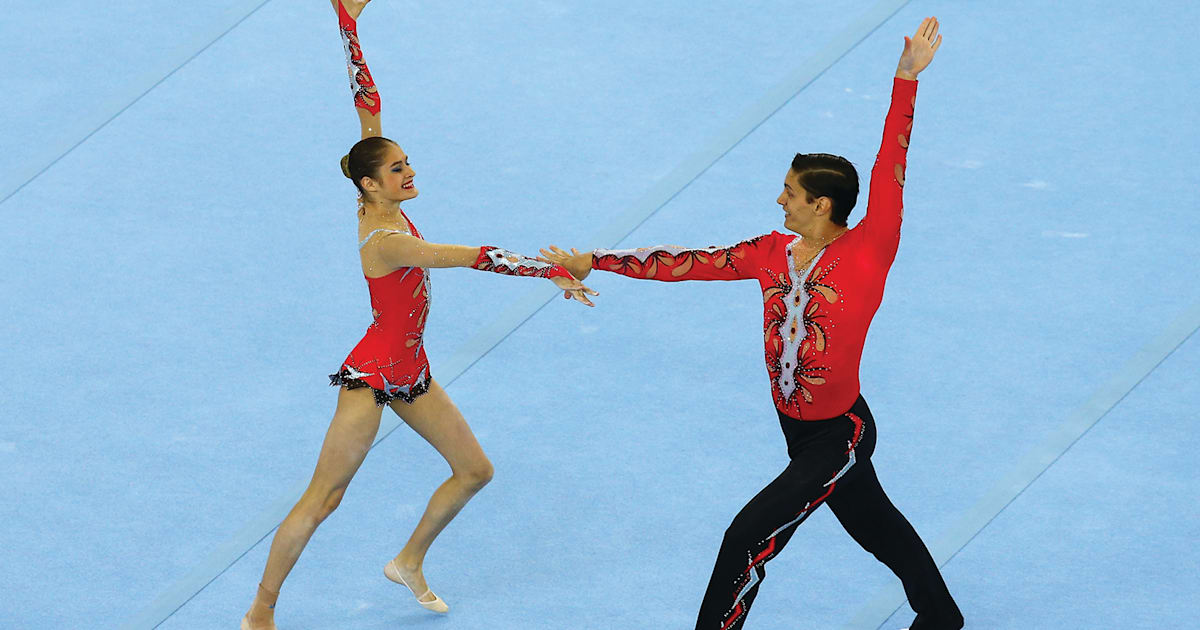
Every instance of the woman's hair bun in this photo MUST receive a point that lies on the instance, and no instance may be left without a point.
(346, 166)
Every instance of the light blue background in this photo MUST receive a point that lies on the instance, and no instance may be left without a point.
(179, 283)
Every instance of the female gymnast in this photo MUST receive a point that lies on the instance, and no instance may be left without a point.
(820, 290)
(388, 367)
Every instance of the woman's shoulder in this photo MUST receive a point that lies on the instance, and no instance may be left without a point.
(368, 232)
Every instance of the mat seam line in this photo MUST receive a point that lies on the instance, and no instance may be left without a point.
(126, 107)
(1059, 456)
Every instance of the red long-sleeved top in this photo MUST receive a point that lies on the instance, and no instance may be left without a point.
(814, 329)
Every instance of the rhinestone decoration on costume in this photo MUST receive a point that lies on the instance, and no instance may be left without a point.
(502, 261)
(793, 330)
(361, 84)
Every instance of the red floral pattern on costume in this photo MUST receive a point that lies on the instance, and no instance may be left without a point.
(361, 84)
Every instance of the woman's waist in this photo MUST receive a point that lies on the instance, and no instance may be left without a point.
(396, 328)
(394, 312)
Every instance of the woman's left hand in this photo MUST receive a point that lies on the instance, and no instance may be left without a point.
(573, 288)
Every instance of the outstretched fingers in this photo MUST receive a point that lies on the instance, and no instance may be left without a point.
(581, 294)
(579, 291)
(919, 49)
(557, 253)
(928, 31)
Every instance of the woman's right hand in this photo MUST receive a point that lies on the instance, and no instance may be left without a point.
(580, 265)
(353, 7)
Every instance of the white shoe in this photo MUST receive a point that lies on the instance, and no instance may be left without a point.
(436, 604)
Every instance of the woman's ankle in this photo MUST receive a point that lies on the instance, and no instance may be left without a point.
(263, 607)
(407, 562)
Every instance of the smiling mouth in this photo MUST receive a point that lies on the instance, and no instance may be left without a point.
(408, 186)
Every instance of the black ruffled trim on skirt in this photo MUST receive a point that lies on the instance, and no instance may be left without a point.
(343, 379)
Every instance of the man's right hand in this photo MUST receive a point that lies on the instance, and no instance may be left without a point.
(580, 265)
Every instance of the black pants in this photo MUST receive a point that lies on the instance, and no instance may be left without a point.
(830, 463)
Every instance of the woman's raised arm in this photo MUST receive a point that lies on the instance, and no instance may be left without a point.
(366, 97)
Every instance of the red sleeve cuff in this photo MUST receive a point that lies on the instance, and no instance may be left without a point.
(344, 18)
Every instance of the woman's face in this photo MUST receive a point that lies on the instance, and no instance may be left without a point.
(394, 181)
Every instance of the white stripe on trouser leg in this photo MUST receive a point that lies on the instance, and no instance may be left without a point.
(746, 589)
(842, 471)
(754, 579)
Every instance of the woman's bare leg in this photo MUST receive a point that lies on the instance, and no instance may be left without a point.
(346, 444)
(434, 417)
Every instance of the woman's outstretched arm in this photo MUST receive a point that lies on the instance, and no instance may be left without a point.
(404, 250)
(366, 97)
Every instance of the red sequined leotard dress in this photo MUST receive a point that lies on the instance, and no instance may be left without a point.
(390, 359)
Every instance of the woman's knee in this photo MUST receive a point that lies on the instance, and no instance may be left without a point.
(318, 505)
(477, 475)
